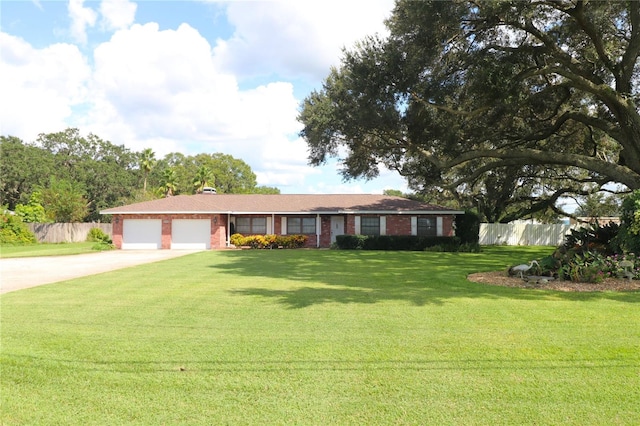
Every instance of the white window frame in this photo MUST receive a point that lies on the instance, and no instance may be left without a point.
(433, 226)
(301, 228)
(252, 226)
(367, 218)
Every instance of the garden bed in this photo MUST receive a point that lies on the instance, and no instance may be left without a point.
(500, 278)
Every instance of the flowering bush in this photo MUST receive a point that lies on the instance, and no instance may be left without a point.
(269, 241)
(612, 265)
(292, 241)
(591, 274)
(589, 266)
(595, 252)
(591, 254)
(253, 241)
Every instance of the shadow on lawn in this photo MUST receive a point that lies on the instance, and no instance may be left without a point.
(368, 277)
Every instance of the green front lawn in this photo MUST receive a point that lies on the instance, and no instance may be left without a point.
(318, 337)
(45, 249)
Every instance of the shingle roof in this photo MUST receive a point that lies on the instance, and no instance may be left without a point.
(280, 203)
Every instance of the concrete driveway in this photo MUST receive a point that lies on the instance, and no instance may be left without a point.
(25, 272)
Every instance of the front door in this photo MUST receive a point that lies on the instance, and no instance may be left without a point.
(337, 227)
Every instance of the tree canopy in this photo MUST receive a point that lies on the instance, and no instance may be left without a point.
(22, 168)
(533, 98)
(64, 201)
(227, 174)
(599, 205)
(76, 176)
(105, 173)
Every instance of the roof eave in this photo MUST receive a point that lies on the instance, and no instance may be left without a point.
(400, 212)
(325, 212)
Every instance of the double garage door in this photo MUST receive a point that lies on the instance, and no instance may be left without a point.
(185, 234)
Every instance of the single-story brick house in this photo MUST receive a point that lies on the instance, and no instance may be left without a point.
(206, 221)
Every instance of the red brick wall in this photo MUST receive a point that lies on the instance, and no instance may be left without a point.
(350, 228)
(401, 224)
(166, 232)
(218, 230)
(396, 225)
(118, 225)
(325, 231)
(116, 231)
(447, 226)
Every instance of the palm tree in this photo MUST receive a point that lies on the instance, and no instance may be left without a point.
(204, 177)
(147, 162)
(169, 185)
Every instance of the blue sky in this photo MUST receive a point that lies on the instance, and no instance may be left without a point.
(184, 76)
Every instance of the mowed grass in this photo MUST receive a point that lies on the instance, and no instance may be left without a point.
(45, 249)
(318, 337)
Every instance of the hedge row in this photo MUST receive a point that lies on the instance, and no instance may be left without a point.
(402, 242)
(269, 241)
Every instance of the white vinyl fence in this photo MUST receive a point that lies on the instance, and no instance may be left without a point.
(523, 234)
(66, 232)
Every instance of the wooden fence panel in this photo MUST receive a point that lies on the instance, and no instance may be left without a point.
(66, 232)
(523, 234)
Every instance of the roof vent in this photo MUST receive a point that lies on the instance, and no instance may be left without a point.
(208, 190)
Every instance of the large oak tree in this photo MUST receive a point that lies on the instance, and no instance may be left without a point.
(463, 93)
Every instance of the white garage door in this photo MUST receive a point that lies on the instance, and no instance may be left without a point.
(191, 234)
(142, 234)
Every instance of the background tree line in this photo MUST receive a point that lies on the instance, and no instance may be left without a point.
(68, 177)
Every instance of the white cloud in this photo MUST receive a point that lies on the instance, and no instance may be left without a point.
(330, 181)
(39, 87)
(296, 38)
(81, 17)
(162, 81)
(117, 14)
(162, 89)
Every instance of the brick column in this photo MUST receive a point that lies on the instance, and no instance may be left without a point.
(166, 232)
